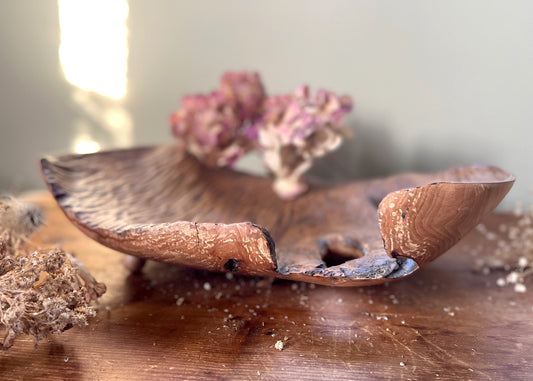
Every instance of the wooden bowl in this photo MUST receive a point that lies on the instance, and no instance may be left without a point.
(162, 204)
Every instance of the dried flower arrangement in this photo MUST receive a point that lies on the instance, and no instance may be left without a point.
(42, 291)
(513, 253)
(289, 130)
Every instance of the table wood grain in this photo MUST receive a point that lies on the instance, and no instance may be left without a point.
(170, 322)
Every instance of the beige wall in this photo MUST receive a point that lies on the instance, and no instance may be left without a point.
(436, 83)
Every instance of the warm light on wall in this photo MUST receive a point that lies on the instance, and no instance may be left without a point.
(85, 145)
(94, 49)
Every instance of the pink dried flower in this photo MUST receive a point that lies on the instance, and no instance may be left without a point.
(245, 92)
(291, 130)
(209, 128)
(297, 128)
(213, 127)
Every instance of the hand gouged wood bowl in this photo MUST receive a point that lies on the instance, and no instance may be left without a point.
(160, 203)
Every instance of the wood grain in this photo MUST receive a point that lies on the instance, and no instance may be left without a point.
(422, 223)
(444, 323)
(160, 203)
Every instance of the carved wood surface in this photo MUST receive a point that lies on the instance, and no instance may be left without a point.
(160, 203)
(446, 322)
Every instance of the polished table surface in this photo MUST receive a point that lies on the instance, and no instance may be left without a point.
(445, 322)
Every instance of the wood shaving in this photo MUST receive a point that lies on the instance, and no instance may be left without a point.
(42, 291)
(513, 253)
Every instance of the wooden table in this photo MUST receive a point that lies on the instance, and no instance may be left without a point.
(445, 322)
